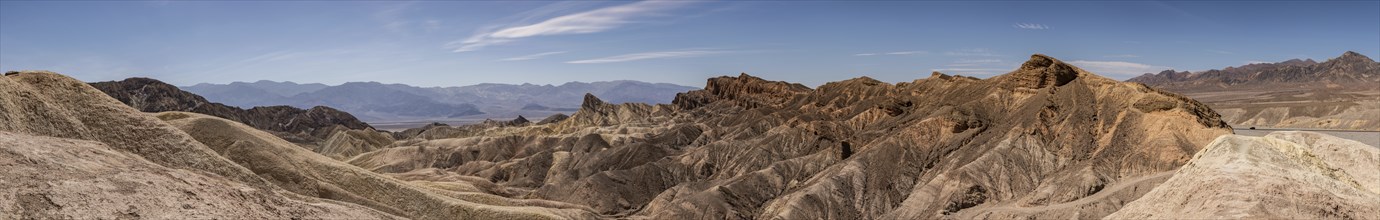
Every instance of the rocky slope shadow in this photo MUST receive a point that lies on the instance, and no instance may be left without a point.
(107, 160)
(1284, 175)
(1045, 135)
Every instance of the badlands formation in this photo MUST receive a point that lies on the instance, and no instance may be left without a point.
(1047, 140)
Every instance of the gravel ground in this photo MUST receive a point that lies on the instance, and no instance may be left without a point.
(1371, 138)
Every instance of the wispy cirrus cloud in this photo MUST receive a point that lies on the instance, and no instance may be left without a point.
(593, 21)
(906, 52)
(975, 67)
(395, 19)
(913, 52)
(1220, 51)
(1118, 68)
(1249, 62)
(649, 55)
(971, 71)
(1030, 26)
(532, 56)
(977, 52)
(968, 69)
(974, 62)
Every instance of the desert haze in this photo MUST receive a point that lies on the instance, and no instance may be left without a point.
(689, 110)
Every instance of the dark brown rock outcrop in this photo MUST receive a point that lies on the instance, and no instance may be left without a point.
(747, 91)
(299, 125)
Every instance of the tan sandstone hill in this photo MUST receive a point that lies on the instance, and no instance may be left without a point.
(1048, 140)
(307, 173)
(102, 159)
(73, 152)
(60, 178)
(1284, 175)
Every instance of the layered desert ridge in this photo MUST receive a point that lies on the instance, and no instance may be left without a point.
(1046, 140)
(744, 147)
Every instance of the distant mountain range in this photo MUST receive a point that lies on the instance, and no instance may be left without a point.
(373, 101)
(1340, 93)
(299, 125)
(1349, 69)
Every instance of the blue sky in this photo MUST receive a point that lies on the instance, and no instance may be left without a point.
(450, 43)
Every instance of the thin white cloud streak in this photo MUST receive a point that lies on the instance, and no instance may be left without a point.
(1030, 26)
(1118, 68)
(532, 56)
(593, 21)
(394, 20)
(979, 61)
(649, 55)
(1256, 62)
(971, 71)
(979, 52)
(968, 69)
(970, 63)
(1220, 52)
(913, 52)
(906, 52)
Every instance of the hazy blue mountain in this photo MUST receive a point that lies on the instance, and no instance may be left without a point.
(565, 95)
(375, 101)
(246, 95)
(383, 101)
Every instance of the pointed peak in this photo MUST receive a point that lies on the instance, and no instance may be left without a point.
(745, 76)
(1039, 61)
(1353, 55)
(1039, 72)
(937, 74)
(863, 80)
(591, 101)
